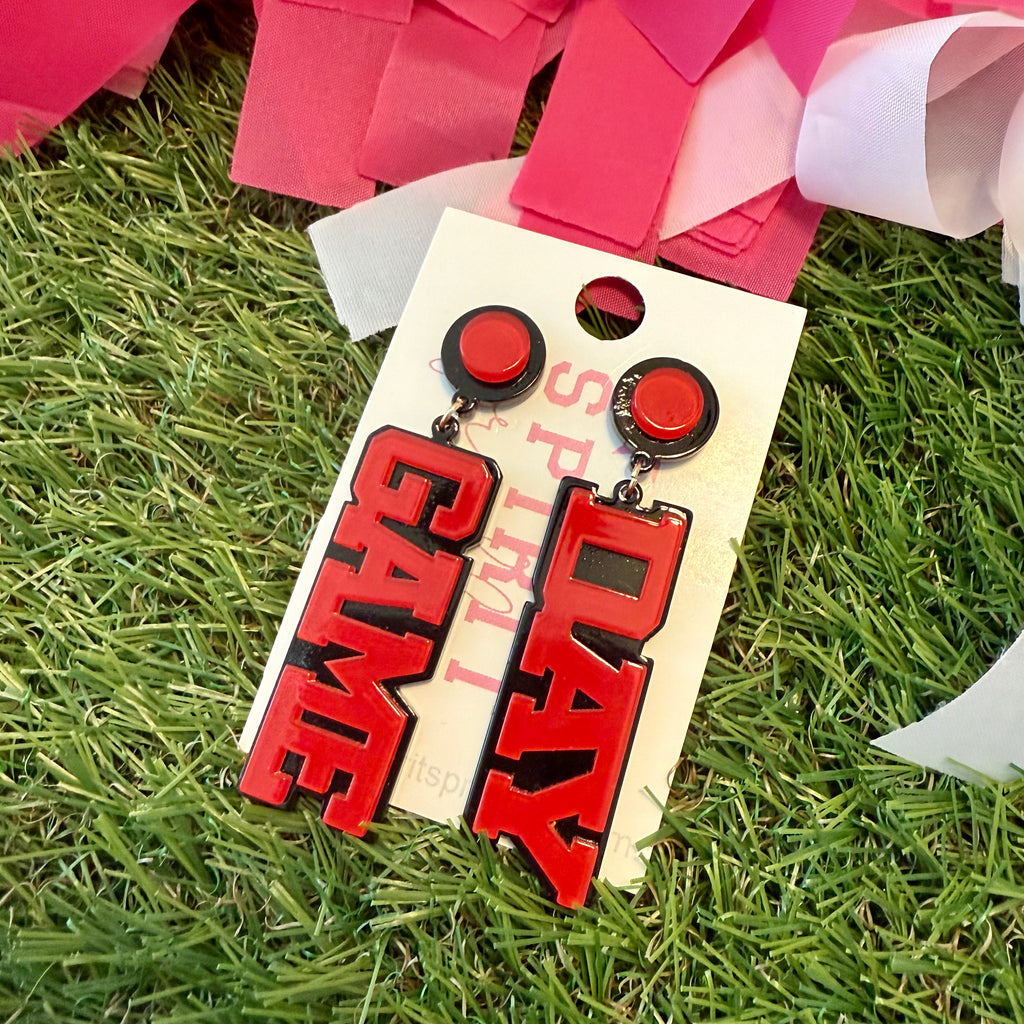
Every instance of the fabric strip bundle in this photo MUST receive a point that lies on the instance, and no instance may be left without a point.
(713, 134)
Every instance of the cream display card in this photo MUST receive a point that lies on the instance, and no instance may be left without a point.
(744, 344)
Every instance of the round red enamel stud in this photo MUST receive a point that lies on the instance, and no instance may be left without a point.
(492, 354)
(495, 346)
(665, 408)
(667, 403)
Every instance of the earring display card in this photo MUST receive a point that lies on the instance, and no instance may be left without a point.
(745, 346)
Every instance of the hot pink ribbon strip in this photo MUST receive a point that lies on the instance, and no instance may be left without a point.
(702, 33)
(689, 35)
(311, 90)
(54, 55)
(546, 10)
(451, 95)
(610, 296)
(645, 252)
(611, 131)
(928, 8)
(398, 11)
(799, 33)
(553, 41)
(769, 263)
(495, 17)
(607, 297)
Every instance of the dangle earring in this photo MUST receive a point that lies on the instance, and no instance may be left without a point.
(387, 589)
(572, 693)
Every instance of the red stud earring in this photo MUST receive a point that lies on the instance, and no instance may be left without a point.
(387, 589)
(571, 696)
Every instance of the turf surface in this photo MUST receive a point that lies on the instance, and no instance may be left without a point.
(175, 400)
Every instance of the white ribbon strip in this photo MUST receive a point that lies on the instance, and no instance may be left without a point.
(740, 140)
(908, 123)
(979, 737)
(371, 254)
(1011, 201)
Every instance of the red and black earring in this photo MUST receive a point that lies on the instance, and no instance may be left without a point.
(571, 696)
(387, 589)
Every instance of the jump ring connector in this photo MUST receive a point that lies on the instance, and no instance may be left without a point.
(641, 462)
(629, 491)
(446, 426)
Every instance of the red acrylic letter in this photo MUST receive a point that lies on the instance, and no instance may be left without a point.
(572, 693)
(376, 618)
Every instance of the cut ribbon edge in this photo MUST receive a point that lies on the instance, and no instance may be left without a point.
(978, 736)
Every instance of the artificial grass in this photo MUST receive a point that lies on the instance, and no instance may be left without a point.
(176, 398)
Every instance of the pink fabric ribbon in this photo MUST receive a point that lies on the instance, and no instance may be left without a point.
(54, 55)
(495, 17)
(799, 33)
(762, 258)
(450, 95)
(131, 79)
(954, 83)
(688, 35)
(398, 11)
(546, 10)
(603, 152)
(308, 102)
(608, 297)
(553, 41)
(740, 140)
(694, 35)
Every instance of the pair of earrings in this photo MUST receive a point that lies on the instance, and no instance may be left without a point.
(386, 593)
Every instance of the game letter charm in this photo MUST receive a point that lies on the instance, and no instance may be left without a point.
(377, 617)
(387, 590)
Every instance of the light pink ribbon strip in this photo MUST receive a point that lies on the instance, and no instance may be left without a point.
(1011, 201)
(451, 95)
(772, 257)
(311, 90)
(689, 35)
(495, 17)
(954, 83)
(131, 79)
(740, 140)
(604, 149)
(54, 55)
